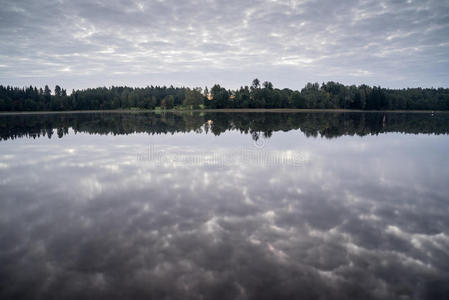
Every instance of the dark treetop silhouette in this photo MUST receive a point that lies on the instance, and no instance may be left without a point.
(329, 95)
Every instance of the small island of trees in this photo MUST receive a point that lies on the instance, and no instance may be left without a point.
(330, 95)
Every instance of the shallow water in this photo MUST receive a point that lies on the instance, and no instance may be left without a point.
(224, 206)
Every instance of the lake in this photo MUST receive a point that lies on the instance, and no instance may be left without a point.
(224, 206)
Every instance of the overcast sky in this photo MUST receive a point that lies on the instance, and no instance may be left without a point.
(88, 43)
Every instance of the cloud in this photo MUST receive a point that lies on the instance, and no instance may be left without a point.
(91, 43)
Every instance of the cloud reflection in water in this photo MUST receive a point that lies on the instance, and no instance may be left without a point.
(363, 218)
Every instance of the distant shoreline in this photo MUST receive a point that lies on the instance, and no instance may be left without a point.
(224, 110)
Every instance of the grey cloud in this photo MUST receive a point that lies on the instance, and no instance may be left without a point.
(393, 43)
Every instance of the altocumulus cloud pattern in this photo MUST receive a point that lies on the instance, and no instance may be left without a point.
(89, 43)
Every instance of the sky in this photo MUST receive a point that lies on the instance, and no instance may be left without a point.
(90, 43)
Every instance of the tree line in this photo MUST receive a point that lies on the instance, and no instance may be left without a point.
(257, 125)
(330, 95)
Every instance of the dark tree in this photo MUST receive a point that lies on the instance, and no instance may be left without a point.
(328, 95)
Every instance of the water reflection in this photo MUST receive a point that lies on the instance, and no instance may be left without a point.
(360, 218)
(327, 125)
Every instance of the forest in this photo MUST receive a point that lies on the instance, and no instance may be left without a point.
(330, 95)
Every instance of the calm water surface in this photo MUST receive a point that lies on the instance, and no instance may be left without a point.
(224, 206)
